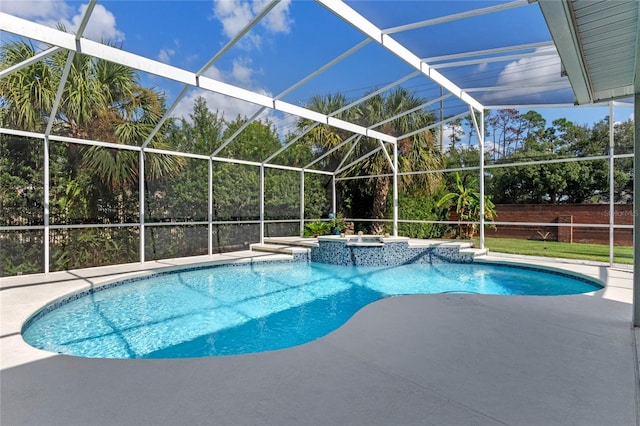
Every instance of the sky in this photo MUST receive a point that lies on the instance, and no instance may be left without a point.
(297, 37)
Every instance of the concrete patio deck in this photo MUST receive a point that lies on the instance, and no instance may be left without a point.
(450, 359)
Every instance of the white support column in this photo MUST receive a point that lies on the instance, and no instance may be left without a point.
(141, 201)
(611, 184)
(261, 203)
(333, 194)
(301, 203)
(636, 211)
(210, 209)
(481, 149)
(46, 203)
(479, 128)
(395, 189)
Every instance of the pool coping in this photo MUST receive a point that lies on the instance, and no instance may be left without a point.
(135, 277)
(21, 296)
(68, 283)
(59, 286)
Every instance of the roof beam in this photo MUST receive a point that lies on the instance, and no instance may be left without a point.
(58, 98)
(85, 19)
(495, 59)
(67, 68)
(324, 67)
(45, 34)
(484, 52)
(209, 63)
(332, 150)
(352, 17)
(376, 92)
(432, 126)
(32, 60)
(238, 131)
(353, 163)
(550, 86)
(289, 90)
(347, 155)
(457, 16)
(418, 108)
(238, 36)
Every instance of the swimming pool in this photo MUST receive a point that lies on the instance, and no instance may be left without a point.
(257, 307)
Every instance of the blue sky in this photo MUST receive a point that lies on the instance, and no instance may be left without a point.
(298, 37)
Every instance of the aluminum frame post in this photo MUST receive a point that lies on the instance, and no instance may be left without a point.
(333, 194)
(479, 127)
(141, 201)
(46, 203)
(611, 184)
(261, 203)
(481, 143)
(301, 203)
(395, 189)
(210, 208)
(636, 211)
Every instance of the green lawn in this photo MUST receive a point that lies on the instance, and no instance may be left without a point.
(595, 252)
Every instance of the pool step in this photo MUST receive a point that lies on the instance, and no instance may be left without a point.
(278, 248)
(291, 245)
(292, 241)
(474, 252)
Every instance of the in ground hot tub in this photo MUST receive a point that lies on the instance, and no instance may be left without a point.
(365, 241)
(375, 250)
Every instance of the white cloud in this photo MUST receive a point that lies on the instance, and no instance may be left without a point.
(102, 24)
(231, 107)
(242, 72)
(165, 55)
(213, 72)
(532, 71)
(278, 20)
(101, 27)
(233, 14)
(227, 106)
(236, 14)
(39, 10)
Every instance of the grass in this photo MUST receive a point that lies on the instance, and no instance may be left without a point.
(596, 252)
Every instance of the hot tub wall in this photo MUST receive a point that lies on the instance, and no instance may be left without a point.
(388, 254)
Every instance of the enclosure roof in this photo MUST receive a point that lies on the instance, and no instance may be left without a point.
(267, 59)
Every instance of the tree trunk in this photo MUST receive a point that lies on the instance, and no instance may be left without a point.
(380, 193)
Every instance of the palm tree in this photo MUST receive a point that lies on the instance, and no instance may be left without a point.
(322, 138)
(28, 94)
(101, 101)
(417, 152)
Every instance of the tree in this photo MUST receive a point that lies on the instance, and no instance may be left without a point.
(417, 152)
(557, 182)
(100, 101)
(507, 129)
(201, 133)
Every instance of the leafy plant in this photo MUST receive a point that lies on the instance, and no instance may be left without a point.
(338, 223)
(313, 229)
(467, 202)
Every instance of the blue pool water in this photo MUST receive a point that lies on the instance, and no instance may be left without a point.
(259, 307)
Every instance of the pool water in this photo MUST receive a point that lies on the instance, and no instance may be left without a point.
(259, 307)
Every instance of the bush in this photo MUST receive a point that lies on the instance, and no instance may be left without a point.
(313, 229)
